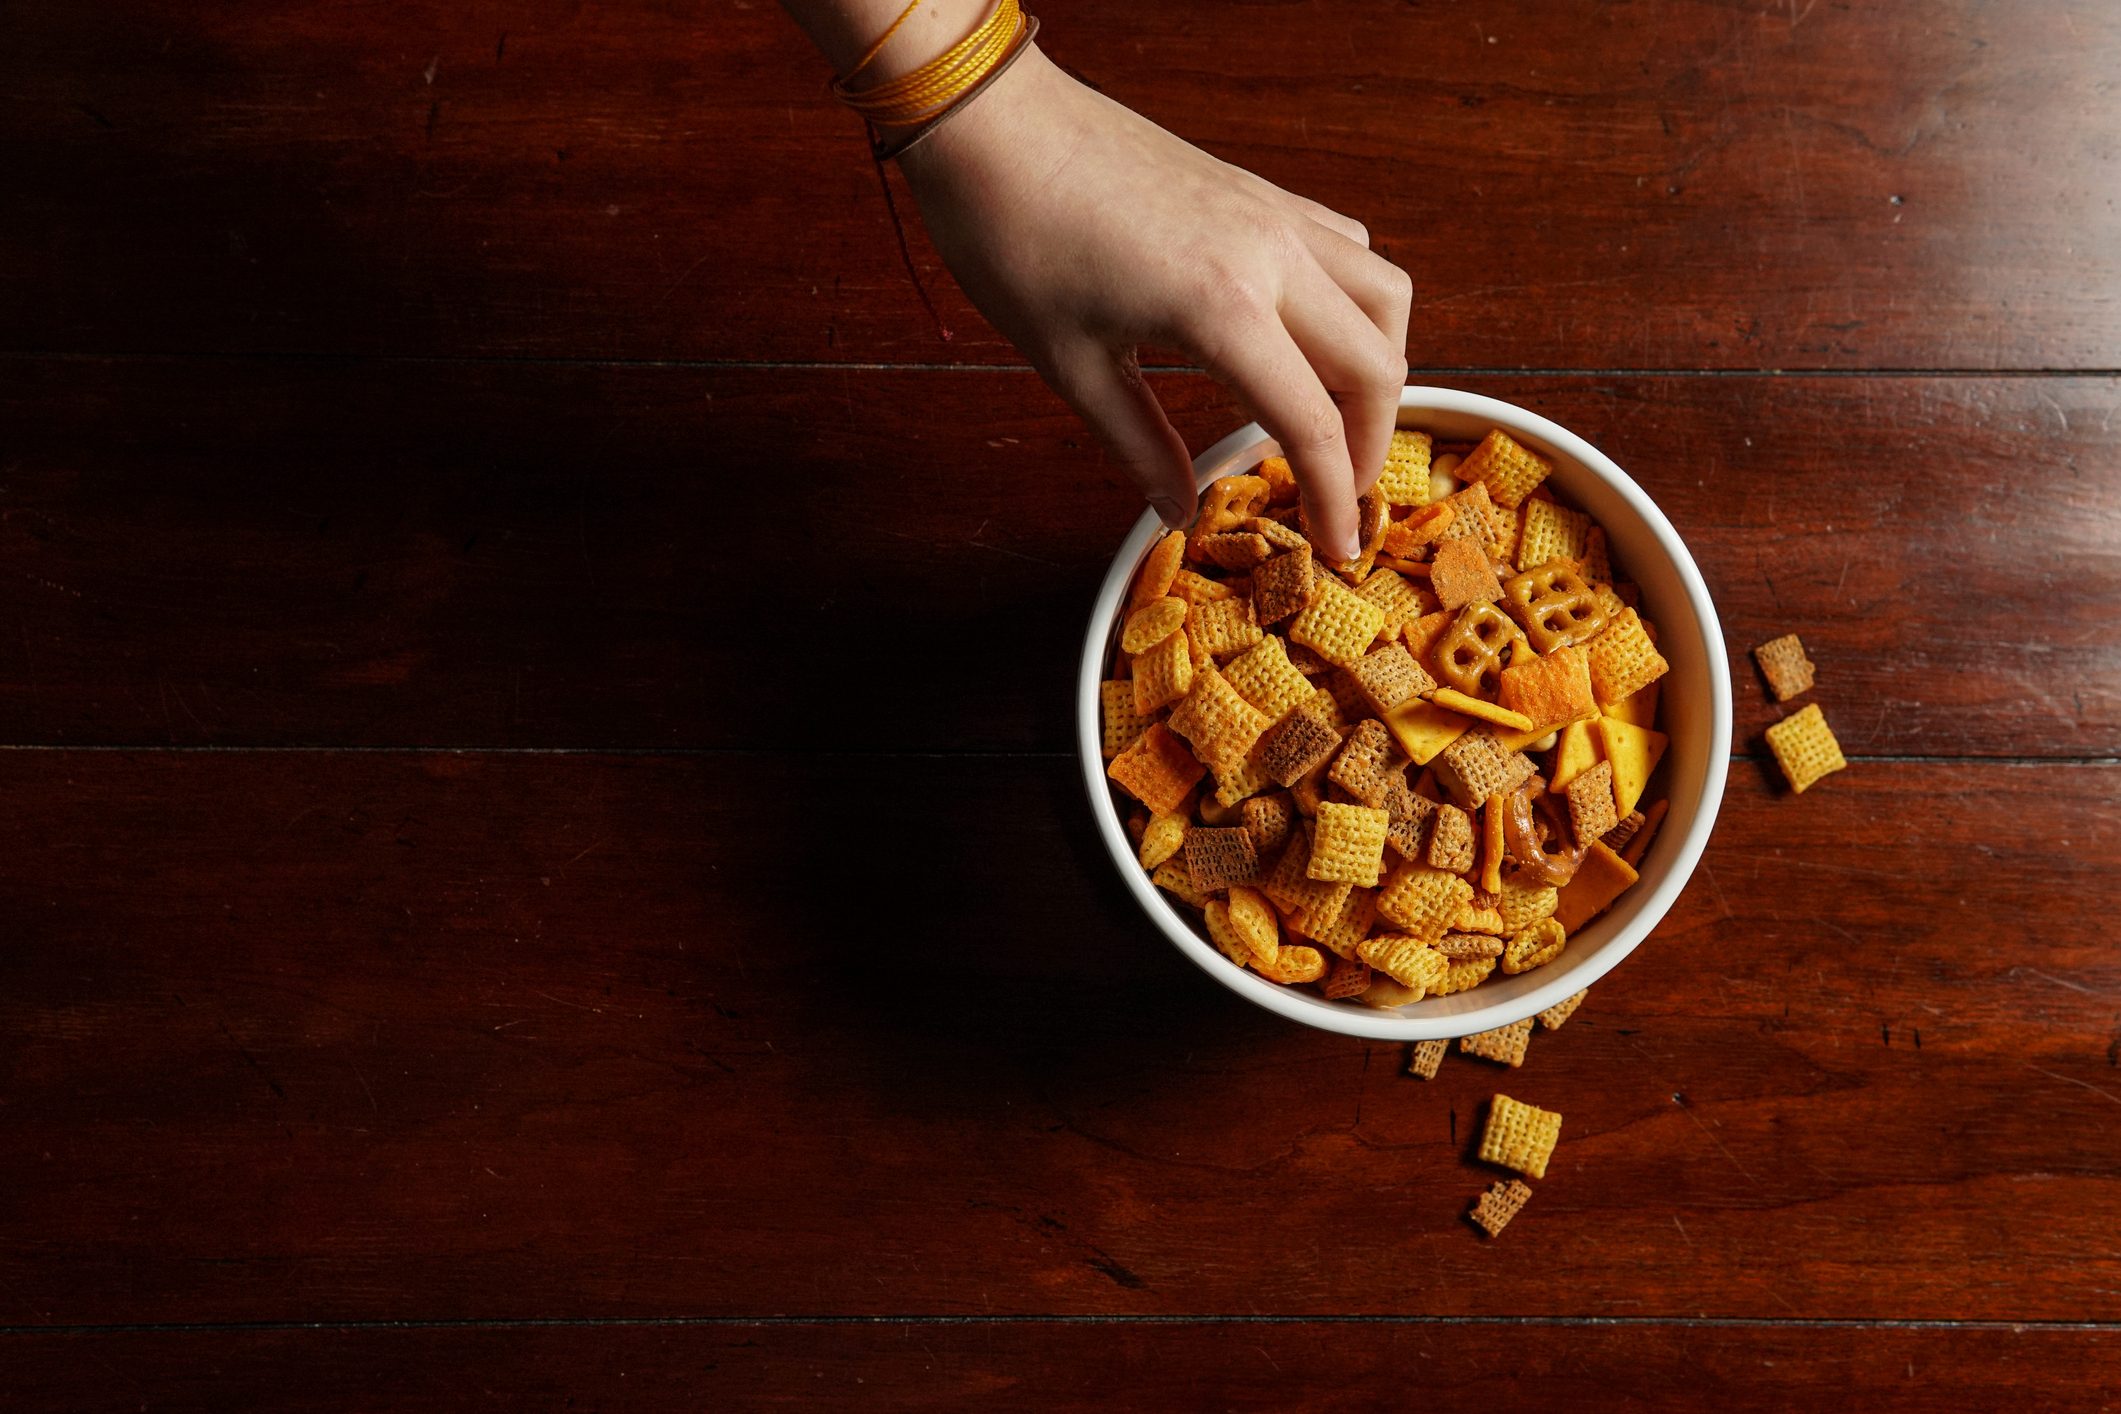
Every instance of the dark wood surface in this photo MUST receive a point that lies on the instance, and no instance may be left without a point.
(545, 860)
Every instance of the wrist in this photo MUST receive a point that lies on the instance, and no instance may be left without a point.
(987, 124)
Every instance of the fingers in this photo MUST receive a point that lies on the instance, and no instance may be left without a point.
(1107, 389)
(1361, 365)
(1344, 226)
(1256, 355)
(1382, 290)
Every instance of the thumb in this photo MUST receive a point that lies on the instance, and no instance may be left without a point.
(1107, 388)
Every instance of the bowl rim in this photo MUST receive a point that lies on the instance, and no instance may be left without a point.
(1244, 448)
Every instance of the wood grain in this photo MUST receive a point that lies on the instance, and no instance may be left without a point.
(356, 1036)
(1837, 186)
(320, 553)
(921, 1365)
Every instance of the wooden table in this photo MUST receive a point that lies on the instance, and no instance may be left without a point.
(544, 856)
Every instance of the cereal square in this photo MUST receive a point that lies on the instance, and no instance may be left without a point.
(1552, 532)
(1361, 766)
(1268, 820)
(1219, 858)
(1591, 809)
(1216, 719)
(1477, 766)
(1466, 947)
(1152, 623)
(1346, 979)
(1805, 748)
(1282, 586)
(1463, 976)
(1223, 627)
(1520, 905)
(1389, 677)
(1536, 946)
(1348, 844)
(1624, 660)
(1507, 467)
(1557, 1015)
(1451, 842)
(1163, 674)
(1235, 549)
(1425, 1058)
(1499, 1204)
(1505, 1044)
(1264, 677)
(1405, 481)
(1343, 928)
(1300, 742)
(1401, 601)
(1119, 722)
(1519, 1136)
(1338, 623)
(1410, 831)
(1787, 670)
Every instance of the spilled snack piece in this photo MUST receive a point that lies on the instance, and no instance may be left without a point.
(1787, 670)
(1555, 1016)
(1519, 1136)
(1805, 748)
(1425, 1058)
(1499, 1204)
(1382, 773)
(1505, 1044)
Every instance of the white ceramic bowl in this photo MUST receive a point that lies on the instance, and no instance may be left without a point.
(1696, 710)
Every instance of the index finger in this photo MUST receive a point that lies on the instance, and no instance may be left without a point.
(1278, 384)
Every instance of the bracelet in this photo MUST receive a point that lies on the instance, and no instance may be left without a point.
(931, 90)
(886, 152)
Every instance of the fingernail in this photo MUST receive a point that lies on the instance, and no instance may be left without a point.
(1172, 513)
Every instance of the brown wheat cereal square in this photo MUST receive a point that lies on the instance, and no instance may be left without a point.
(1389, 677)
(1307, 662)
(1275, 533)
(1268, 820)
(1235, 549)
(1556, 1015)
(1360, 767)
(1473, 518)
(1592, 811)
(1425, 1058)
(1465, 947)
(1219, 858)
(1499, 1204)
(1787, 669)
(1409, 832)
(1477, 766)
(1451, 843)
(1616, 839)
(1157, 769)
(1461, 574)
(1299, 743)
(1505, 1044)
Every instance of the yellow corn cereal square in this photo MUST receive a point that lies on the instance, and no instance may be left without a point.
(1805, 748)
(1507, 467)
(1519, 1136)
(1348, 844)
(1338, 624)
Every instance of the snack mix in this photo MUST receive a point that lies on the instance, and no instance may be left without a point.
(1392, 778)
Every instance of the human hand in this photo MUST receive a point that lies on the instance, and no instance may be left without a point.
(1082, 230)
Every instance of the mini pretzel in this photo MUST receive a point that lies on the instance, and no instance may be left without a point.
(1231, 501)
(1469, 656)
(1557, 608)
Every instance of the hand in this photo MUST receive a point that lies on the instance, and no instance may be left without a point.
(1081, 230)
